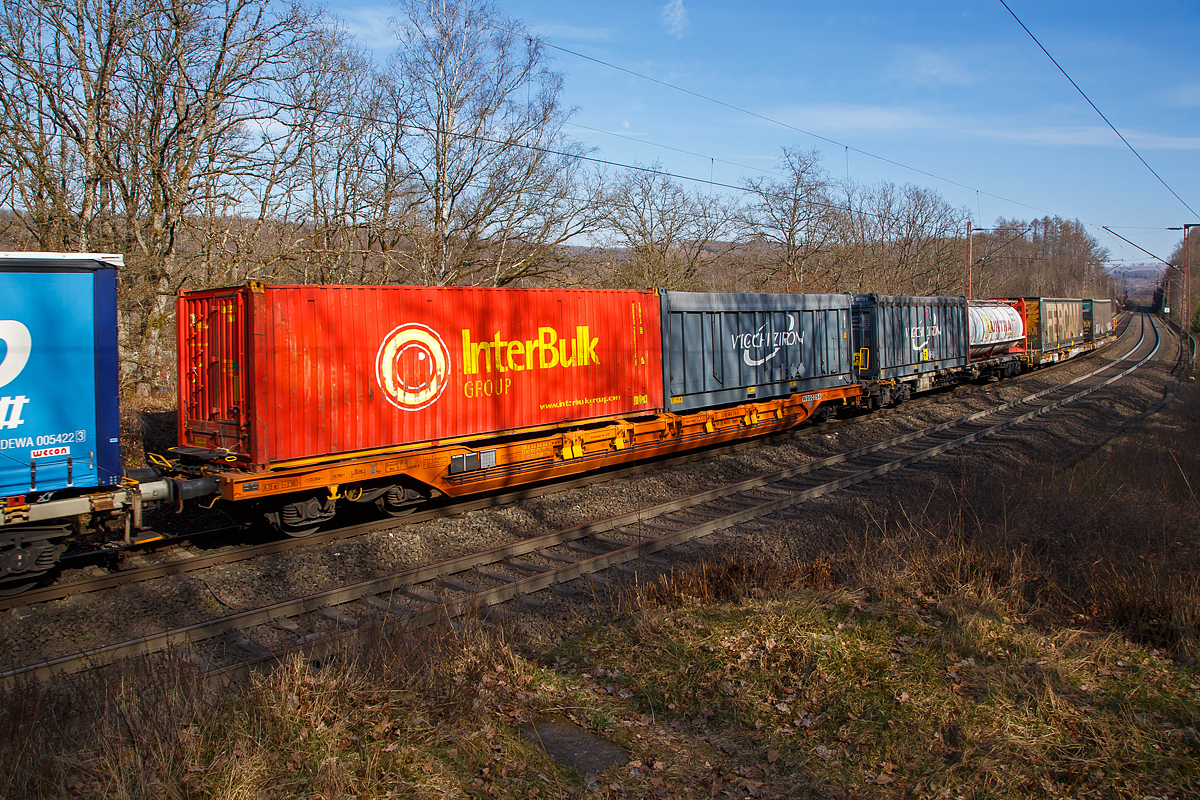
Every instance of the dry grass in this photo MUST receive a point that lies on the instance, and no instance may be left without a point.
(901, 696)
(410, 714)
(148, 425)
(1009, 635)
(110, 734)
(1112, 544)
(732, 580)
(1033, 641)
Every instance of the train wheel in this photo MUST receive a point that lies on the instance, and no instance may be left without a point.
(300, 533)
(15, 587)
(394, 511)
(399, 501)
(27, 554)
(824, 414)
(301, 518)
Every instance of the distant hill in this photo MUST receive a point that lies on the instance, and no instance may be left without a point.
(1139, 280)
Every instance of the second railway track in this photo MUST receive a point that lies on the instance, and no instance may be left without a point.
(161, 550)
(517, 569)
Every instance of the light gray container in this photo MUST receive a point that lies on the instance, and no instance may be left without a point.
(723, 349)
(1097, 320)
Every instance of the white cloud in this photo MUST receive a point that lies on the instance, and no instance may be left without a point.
(1091, 136)
(1187, 96)
(831, 117)
(928, 67)
(556, 31)
(372, 26)
(841, 119)
(674, 18)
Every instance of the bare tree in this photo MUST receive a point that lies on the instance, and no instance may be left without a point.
(123, 119)
(899, 240)
(788, 221)
(669, 238)
(1047, 257)
(59, 74)
(203, 76)
(329, 184)
(484, 145)
(1187, 256)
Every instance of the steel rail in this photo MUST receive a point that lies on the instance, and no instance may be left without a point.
(1182, 360)
(635, 551)
(70, 588)
(409, 579)
(124, 577)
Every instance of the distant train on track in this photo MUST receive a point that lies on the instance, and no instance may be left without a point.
(297, 400)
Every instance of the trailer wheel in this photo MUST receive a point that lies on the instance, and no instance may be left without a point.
(27, 554)
(301, 518)
(399, 501)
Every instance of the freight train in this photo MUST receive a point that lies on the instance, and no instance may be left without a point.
(295, 401)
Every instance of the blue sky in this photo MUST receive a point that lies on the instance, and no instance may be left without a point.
(955, 90)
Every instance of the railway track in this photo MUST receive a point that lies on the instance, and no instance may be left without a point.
(517, 570)
(177, 554)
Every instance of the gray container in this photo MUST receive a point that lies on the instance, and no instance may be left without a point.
(901, 337)
(1059, 324)
(1097, 320)
(723, 349)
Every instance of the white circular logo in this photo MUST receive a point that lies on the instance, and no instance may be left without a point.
(412, 366)
(18, 343)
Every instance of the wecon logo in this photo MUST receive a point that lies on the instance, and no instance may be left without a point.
(412, 366)
(17, 345)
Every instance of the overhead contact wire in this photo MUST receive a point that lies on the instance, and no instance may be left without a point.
(1098, 111)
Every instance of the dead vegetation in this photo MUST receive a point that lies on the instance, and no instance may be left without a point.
(1037, 641)
(148, 425)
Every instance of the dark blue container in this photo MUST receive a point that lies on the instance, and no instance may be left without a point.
(902, 337)
(722, 349)
(59, 414)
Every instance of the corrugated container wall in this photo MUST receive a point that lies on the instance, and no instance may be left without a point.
(1097, 319)
(59, 418)
(1060, 322)
(721, 349)
(895, 337)
(282, 373)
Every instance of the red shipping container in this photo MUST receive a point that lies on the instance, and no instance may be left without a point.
(283, 373)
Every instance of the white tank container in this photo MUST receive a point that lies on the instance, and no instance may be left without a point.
(995, 328)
